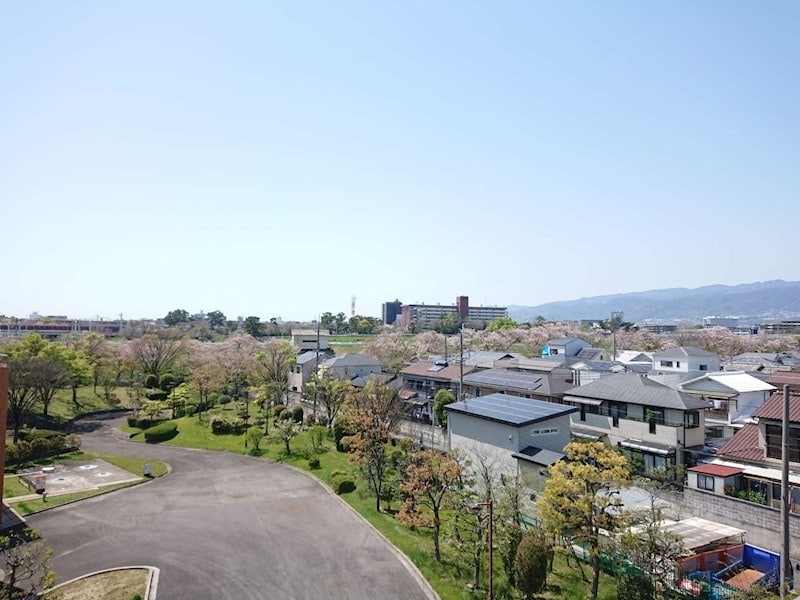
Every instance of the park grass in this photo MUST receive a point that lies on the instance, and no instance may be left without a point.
(62, 408)
(121, 584)
(448, 578)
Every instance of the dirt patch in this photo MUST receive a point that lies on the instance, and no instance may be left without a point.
(114, 585)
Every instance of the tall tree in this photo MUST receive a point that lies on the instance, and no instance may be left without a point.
(49, 376)
(581, 498)
(26, 566)
(329, 392)
(21, 390)
(393, 350)
(373, 412)
(176, 317)
(428, 481)
(157, 353)
(442, 398)
(273, 363)
(252, 326)
(216, 319)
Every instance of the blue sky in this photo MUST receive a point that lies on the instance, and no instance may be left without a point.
(276, 158)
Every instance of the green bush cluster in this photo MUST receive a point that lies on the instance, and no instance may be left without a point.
(157, 395)
(38, 444)
(297, 414)
(342, 484)
(142, 423)
(225, 399)
(278, 410)
(161, 432)
(221, 425)
(313, 463)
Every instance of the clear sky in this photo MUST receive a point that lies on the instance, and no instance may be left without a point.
(274, 159)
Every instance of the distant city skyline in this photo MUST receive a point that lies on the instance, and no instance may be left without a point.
(273, 160)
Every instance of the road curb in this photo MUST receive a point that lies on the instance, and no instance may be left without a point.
(150, 588)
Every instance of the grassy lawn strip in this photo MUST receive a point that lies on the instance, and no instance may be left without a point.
(448, 578)
(28, 507)
(114, 585)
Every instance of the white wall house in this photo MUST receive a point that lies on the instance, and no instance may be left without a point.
(685, 359)
(517, 436)
(350, 366)
(306, 339)
(565, 346)
(734, 396)
(651, 422)
(304, 367)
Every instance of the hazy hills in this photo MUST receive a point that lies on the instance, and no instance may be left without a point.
(762, 300)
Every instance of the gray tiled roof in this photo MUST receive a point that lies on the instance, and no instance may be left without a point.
(683, 352)
(310, 355)
(635, 388)
(563, 341)
(351, 360)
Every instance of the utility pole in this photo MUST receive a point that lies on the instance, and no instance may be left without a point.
(316, 369)
(461, 367)
(786, 568)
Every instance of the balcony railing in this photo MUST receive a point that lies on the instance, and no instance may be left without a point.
(605, 412)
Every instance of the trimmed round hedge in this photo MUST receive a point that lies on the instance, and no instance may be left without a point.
(343, 484)
(161, 432)
(313, 463)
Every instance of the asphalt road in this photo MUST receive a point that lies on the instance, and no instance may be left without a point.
(222, 526)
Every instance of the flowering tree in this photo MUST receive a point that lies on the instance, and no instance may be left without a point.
(428, 481)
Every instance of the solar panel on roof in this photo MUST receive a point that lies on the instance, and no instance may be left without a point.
(510, 409)
(506, 379)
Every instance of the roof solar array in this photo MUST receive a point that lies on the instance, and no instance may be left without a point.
(510, 409)
(503, 378)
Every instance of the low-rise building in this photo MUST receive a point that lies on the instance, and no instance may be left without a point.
(526, 384)
(651, 422)
(428, 377)
(304, 367)
(511, 435)
(685, 359)
(307, 339)
(350, 366)
(565, 346)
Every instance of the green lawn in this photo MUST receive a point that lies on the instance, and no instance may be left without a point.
(62, 408)
(448, 578)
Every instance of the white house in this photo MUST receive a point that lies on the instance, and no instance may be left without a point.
(350, 366)
(304, 367)
(511, 435)
(306, 339)
(565, 346)
(735, 396)
(685, 359)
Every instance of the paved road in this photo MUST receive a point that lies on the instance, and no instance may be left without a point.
(222, 526)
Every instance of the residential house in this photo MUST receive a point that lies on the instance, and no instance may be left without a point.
(304, 367)
(350, 366)
(734, 396)
(685, 359)
(425, 378)
(526, 384)
(767, 362)
(565, 346)
(306, 339)
(510, 435)
(627, 357)
(593, 354)
(651, 422)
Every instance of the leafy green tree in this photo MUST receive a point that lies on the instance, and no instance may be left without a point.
(502, 323)
(157, 353)
(26, 566)
(49, 376)
(581, 498)
(635, 586)
(254, 439)
(442, 398)
(448, 324)
(176, 317)
(330, 392)
(509, 535)
(285, 431)
(530, 564)
(252, 326)
(21, 390)
(216, 319)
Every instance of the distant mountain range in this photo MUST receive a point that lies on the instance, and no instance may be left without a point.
(751, 302)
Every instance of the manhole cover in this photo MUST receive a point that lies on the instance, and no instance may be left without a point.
(102, 474)
(87, 467)
(48, 469)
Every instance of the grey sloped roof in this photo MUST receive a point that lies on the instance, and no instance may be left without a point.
(351, 360)
(636, 388)
(683, 352)
(590, 353)
(310, 355)
(563, 341)
(523, 381)
(538, 456)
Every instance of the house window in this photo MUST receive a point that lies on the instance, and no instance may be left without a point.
(547, 431)
(703, 368)
(705, 482)
(678, 365)
(691, 418)
(583, 412)
(666, 363)
(553, 350)
(774, 439)
(654, 416)
(617, 410)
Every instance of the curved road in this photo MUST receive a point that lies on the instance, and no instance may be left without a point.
(223, 526)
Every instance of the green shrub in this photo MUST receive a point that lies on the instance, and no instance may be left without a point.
(151, 381)
(132, 421)
(156, 395)
(635, 586)
(341, 429)
(286, 415)
(336, 473)
(190, 410)
(167, 382)
(313, 463)
(221, 424)
(530, 564)
(343, 484)
(161, 432)
(33, 434)
(278, 410)
(224, 399)
(297, 414)
(136, 597)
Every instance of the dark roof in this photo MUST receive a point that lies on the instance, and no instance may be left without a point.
(563, 341)
(362, 381)
(744, 445)
(310, 355)
(636, 388)
(538, 456)
(523, 381)
(590, 353)
(430, 370)
(351, 360)
(772, 409)
(716, 470)
(684, 351)
(510, 410)
(780, 378)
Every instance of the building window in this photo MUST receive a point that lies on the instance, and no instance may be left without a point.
(666, 363)
(691, 418)
(583, 412)
(703, 368)
(547, 431)
(774, 439)
(705, 482)
(553, 350)
(678, 365)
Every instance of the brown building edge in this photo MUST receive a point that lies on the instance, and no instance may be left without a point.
(3, 426)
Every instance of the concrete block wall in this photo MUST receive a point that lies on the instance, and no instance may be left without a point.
(762, 523)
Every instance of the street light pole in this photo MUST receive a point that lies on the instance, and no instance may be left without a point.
(472, 507)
